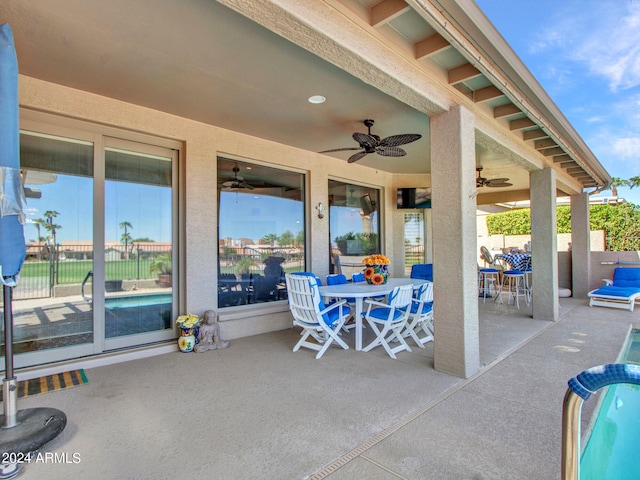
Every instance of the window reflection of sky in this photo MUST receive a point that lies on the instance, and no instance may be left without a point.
(247, 215)
(146, 207)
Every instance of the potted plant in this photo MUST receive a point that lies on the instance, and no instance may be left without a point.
(162, 265)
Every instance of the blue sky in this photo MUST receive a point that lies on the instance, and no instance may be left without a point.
(586, 55)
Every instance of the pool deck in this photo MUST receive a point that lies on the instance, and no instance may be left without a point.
(257, 410)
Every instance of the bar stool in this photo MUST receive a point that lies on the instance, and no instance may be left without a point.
(515, 283)
(488, 280)
(528, 277)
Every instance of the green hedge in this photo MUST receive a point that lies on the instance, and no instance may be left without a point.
(621, 224)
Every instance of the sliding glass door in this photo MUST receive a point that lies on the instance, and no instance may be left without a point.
(100, 232)
(138, 246)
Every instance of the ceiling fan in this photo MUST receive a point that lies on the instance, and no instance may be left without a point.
(369, 143)
(237, 183)
(493, 182)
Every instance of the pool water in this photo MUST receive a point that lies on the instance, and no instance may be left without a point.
(137, 314)
(612, 449)
(137, 301)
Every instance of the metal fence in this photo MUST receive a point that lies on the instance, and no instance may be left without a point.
(46, 268)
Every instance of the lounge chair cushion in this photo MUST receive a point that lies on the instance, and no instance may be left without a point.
(614, 291)
(626, 277)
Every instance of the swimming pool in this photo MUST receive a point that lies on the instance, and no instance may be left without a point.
(137, 314)
(611, 450)
(137, 300)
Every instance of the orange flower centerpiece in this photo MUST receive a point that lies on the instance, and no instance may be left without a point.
(377, 271)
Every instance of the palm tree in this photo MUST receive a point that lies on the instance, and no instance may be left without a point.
(634, 182)
(50, 226)
(270, 238)
(126, 238)
(617, 182)
(39, 222)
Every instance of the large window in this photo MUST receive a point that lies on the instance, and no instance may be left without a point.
(260, 231)
(353, 221)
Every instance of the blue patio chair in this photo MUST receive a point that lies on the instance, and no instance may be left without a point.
(357, 277)
(420, 324)
(340, 279)
(318, 321)
(423, 271)
(392, 318)
(621, 292)
(309, 274)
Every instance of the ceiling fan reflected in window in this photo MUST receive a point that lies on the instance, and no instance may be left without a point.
(237, 182)
(370, 143)
(493, 182)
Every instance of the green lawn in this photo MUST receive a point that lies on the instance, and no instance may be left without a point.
(75, 271)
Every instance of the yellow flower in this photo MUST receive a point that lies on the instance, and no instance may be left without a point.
(376, 259)
(188, 321)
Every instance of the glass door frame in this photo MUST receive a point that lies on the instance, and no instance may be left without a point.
(102, 136)
(139, 339)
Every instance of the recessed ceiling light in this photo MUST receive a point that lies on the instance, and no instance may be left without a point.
(317, 99)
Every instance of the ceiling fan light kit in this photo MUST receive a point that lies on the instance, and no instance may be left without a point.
(370, 143)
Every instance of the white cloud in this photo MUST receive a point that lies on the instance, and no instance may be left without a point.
(602, 36)
(626, 148)
(611, 46)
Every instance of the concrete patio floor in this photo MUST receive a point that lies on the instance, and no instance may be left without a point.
(258, 410)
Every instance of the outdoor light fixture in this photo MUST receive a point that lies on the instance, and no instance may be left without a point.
(317, 99)
(320, 209)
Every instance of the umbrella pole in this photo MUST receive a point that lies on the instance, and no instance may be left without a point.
(9, 383)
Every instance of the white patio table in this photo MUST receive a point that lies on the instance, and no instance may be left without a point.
(361, 290)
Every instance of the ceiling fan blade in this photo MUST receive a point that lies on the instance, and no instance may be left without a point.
(390, 151)
(340, 149)
(498, 180)
(395, 140)
(357, 156)
(498, 185)
(365, 140)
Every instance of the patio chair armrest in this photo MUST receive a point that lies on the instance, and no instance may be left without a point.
(336, 304)
(607, 281)
(375, 302)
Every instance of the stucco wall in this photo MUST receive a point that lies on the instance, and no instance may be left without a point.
(202, 144)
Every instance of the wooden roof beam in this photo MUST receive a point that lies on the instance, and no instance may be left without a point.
(521, 124)
(570, 164)
(506, 110)
(487, 93)
(551, 152)
(462, 73)
(544, 144)
(386, 11)
(533, 134)
(430, 46)
(564, 158)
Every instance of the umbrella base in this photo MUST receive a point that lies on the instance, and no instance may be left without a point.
(35, 427)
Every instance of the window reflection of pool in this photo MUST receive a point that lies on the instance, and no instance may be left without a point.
(137, 314)
(611, 450)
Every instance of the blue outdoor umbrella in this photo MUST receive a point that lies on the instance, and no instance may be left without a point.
(27, 430)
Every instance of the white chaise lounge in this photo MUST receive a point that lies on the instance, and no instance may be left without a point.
(621, 292)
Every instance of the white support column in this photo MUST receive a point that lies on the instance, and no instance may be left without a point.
(580, 245)
(453, 161)
(544, 244)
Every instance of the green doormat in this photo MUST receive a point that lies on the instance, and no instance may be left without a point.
(50, 383)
